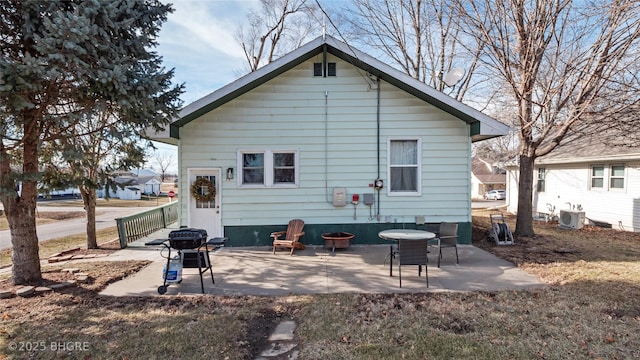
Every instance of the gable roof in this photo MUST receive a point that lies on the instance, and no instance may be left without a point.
(136, 180)
(609, 144)
(484, 173)
(482, 126)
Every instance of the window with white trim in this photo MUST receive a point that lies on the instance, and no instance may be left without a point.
(403, 160)
(541, 182)
(268, 168)
(616, 177)
(597, 177)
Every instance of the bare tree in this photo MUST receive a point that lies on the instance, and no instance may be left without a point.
(565, 64)
(164, 160)
(422, 37)
(92, 150)
(278, 27)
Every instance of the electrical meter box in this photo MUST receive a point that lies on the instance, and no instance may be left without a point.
(339, 196)
(367, 198)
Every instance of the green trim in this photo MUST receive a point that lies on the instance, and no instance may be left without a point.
(324, 48)
(174, 131)
(474, 129)
(365, 234)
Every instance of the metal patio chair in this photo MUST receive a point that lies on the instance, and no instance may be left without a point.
(412, 252)
(447, 237)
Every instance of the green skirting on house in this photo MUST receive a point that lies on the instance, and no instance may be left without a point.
(259, 235)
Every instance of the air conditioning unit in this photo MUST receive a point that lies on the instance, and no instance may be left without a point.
(571, 219)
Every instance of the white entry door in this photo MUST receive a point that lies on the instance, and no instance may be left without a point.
(205, 214)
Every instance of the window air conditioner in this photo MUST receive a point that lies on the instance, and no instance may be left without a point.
(572, 219)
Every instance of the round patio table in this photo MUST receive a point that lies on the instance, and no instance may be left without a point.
(397, 235)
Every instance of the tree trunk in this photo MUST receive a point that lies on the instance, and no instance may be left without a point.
(89, 200)
(24, 239)
(524, 219)
(21, 216)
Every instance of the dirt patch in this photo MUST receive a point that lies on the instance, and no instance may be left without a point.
(552, 244)
(100, 274)
(62, 215)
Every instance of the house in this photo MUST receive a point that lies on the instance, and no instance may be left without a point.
(330, 135)
(595, 178)
(485, 177)
(133, 187)
(48, 193)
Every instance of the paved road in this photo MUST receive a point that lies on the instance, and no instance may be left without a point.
(482, 204)
(105, 218)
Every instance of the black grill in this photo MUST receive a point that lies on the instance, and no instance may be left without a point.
(187, 238)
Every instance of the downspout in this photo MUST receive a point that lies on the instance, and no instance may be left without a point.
(378, 141)
(328, 196)
(326, 148)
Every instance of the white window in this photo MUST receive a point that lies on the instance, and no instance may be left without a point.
(616, 179)
(610, 177)
(268, 168)
(403, 157)
(541, 181)
(597, 177)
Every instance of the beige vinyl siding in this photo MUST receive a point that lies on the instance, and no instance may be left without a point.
(338, 150)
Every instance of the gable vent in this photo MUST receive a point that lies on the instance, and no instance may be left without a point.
(331, 69)
(317, 69)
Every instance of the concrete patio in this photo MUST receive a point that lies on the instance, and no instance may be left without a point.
(315, 270)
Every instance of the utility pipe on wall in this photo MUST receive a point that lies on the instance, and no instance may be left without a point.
(378, 141)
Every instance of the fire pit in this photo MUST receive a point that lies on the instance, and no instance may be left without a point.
(337, 240)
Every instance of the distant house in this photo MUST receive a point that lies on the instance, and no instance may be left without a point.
(145, 173)
(598, 175)
(70, 191)
(133, 187)
(485, 177)
(330, 135)
(127, 193)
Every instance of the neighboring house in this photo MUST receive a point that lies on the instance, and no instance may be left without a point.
(597, 174)
(299, 137)
(485, 177)
(144, 173)
(137, 173)
(133, 187)
(127, 193)
(70, 191)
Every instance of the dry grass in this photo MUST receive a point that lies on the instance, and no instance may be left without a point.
(46, 217)
(589, 310)
(150, 201)
(50, 247)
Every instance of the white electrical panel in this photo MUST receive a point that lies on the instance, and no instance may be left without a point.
(339, 196)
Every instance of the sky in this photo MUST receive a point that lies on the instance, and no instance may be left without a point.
(197, 41)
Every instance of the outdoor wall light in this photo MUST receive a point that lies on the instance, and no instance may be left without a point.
(229, 173)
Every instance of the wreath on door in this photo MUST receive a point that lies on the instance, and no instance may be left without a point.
(204, 195)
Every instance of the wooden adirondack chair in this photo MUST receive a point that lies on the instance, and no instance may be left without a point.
(291, 236)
